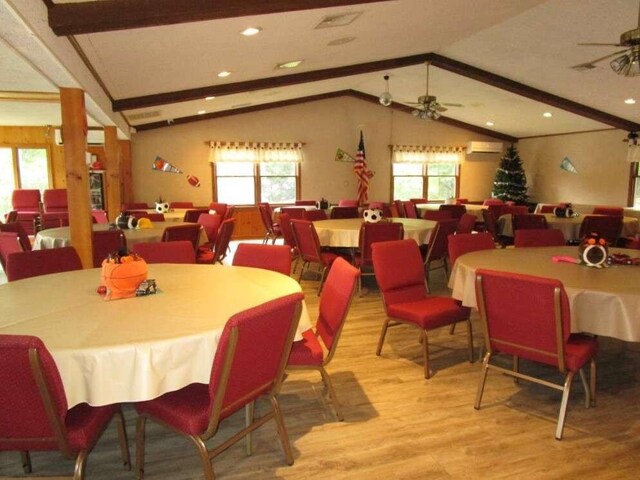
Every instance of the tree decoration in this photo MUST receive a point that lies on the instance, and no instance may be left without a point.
(510, 182)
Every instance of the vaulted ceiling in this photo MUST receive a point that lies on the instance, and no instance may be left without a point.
(149, 64)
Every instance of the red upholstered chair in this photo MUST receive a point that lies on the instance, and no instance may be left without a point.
(456, 210)
(55, 200)
(393, 211)
(550, 208)
(400, 276)
(272, 230)
(155, 217)
(309, 248)
(539, 331)
(16, 227)
(210, 223)
(607, 226)
(462, 243)
(515, 210)
(493, 201)
(371, 233)
(466, 223)
(306, 202)
(345, 212)
(376, 204)
(309, 354)
(219, 208)
(461, 201)
(528, 221)
(248, 364)
(178, 251)
(288, 237)
(231, 210)
(99, 216)
(437, 248)
(293, 212)
(35, 415)
(9, 243)
(491, 226)
(348, 203)
(134, 206)
(612, 211)
(41, 262)
(53, 220)
(418, 200)
(25, 200)
(545, 237)
(276, 258)
(181, 205)
(192, 216)
(315, 215)
(104, 243)
(399, 209)
(410, 210)
(437, 215)
(189, 232)
(219, 252)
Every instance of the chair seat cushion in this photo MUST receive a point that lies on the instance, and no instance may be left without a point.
(307, 351)
(85, 423)
(187, 409)
(430, 312)
(204, 256)
(579, 350)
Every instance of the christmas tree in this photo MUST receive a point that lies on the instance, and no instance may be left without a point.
(510, 182)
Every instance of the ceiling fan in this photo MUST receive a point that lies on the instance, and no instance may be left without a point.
(628, 64)
(428, 107)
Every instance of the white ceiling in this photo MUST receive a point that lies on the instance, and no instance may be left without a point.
(533, 42)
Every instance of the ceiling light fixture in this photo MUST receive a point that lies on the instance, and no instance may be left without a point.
(385, 97)
(249, 32)
(547, 114)
(201, 112)
(224, 73)
(340, 41)
(209, 98)
(627, 64)
(489, 124)
(338, 20)
(286, 65)
(630, 101)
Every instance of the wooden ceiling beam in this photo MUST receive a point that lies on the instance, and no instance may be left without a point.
(110, 15)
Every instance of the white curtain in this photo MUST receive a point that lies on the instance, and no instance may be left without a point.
(255, 152)
(427, 154)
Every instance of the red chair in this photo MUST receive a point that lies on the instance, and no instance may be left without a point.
(248, 364)
(99, 216)
(154, 217)
(272, 230)
(399, 210)
(493, 201)
(410, 210)
(612, 211)
(134, 206)
(348, 203)
(546, 237)
(210, 223)
(9, 243)
(515, 210)
(309, 248)
(335, 301)
(219, 208)
(177, 251)
(105, 243)
(231, 210)
(607, 226)
(191, 216)
(181, 205)
(466, 223)
(25, 200)
(315, 215)
(371, 233)
(437, 215)
(189, 232)
(55, 200)
(550, 208)
(539, 331)
(16, 227)
(418, 200)
(344, 212)
(491, 226)
(461, 201)
(53, 220)
(437, 248)
(35, 415)
(293, 212)
(393, 211)
(380, 205)
(41, 262)
(528, 221)
(456, 210)
(306, 202)
(460, 244)
(400, 276)
(289, 238)
(219, 252)
(276, 258)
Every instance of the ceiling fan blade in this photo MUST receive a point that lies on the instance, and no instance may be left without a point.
(439, 108)
(592, 63)
(601, 44)
(452, 104)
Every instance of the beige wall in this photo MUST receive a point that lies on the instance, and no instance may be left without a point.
(323, 126)
(599, 157)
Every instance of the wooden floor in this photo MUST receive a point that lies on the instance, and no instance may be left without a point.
(400, 426)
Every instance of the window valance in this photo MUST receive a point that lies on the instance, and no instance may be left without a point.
(256, 152)
(427, 154)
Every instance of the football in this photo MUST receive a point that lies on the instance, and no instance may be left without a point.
(193, 181)
(372, 215)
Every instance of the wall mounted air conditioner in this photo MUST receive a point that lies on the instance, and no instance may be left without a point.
(484, 147)
(94, 137)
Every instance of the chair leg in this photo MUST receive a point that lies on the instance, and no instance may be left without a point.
(516, 367)
(249, 409)
(122, 439)
(563, 405)
(26, 461)
(452, 329)
(304, 264)
(592, 381)
(81, 464)
(282, 431)
(425, 352)
(140, 441)
(483, 379)
(323, 276)
(329, 384)
(469, 339)
(207, 468)
(383, 333)
(587, 388)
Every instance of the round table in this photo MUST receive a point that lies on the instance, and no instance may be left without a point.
(472, 208)
(59, 237)
(603, 301)
(137, 348)
(345, 232)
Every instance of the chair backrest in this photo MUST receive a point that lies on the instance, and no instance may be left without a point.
(192, 216)
(535, 330)
(605, 210)
(181, 205)
(550, 208)
(399, 208)
(189, 232)
(315, 215)
(410, 210)
(335, 301)
(276, 258)
(437, 215)
(462, 243)
(266, 216)
(348, 203)
(134, 206)
(399, 271)
(294, 212)
(371, 233)
(154, 217)
(439, 240)
(418, 200)
(461, 201)
(490, 223)
(541, 237)
(99, 216)
(307, 240)
(178, 251)
(306, 202)
(606, 226)
(104, 243)
(393, 211)
(466, 223)
(287, 232)
(26, 200)
(231, 210)
(456, 210)
(9, 243)
(493, 201)
(223, 239)
(496, 210)
(515, 210)
(219, 208)
(528, 221)
(344, 212)
(34, 404)
(376, 204)
(42, 262)
(55, 200)
(210, 223)
(16, 227)
(251, 356)
(54, 220)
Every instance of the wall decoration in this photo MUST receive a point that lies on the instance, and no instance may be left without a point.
(633, 152)
(566, 164)
(193, 181)
(342, 156)
(162, 165)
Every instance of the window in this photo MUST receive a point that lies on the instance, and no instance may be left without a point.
(248, 173)
(22, 167)
(636, 183)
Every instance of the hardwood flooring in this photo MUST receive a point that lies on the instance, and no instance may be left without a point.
(400, 426)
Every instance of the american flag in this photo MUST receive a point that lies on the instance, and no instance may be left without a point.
(361, 172)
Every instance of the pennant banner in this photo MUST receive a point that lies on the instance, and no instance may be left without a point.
(162, 165)
(567, 165)
(342, 156)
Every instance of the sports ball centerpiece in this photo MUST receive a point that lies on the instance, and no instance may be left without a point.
(564, 211)
(373, 215)
(122, 274)
(593, 250)
(162, 206)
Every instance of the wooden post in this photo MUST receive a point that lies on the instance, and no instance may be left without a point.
(113, 198)
(74, 134)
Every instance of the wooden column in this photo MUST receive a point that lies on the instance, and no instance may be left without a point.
(113, 198)
(74, 134)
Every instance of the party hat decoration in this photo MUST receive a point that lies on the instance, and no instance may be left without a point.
(567, 165)
(162, 165)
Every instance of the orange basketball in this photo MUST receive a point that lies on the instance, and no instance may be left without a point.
(122, 279)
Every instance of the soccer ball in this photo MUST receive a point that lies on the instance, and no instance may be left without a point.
(372, 215)
(162, 207)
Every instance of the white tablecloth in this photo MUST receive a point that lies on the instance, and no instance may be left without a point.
(345, 232)
(136, 349)
(603, 301)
